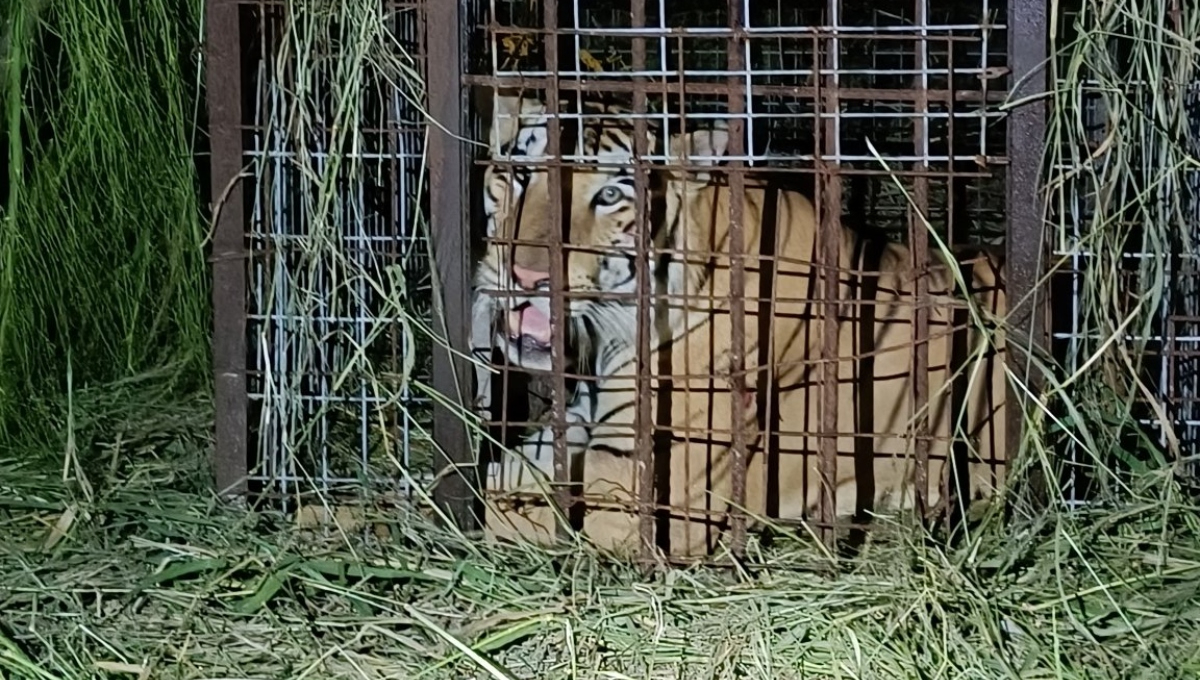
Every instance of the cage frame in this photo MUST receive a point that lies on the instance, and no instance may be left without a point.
(223, 55)
(446, 36)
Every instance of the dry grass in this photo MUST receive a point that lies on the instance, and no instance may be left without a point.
(153, 578)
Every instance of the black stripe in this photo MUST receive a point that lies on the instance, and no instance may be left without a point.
(612, 450)
(618, 141)
(622, 367)
(766, 396)
(630, 265)
(871, 250)
(601, 419)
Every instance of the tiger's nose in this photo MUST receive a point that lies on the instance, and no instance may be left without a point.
(529, 279)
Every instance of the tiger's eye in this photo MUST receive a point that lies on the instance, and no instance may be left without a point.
(609, 195)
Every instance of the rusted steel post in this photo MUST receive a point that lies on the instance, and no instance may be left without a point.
(644, 418)
(223, 81)
(457, 492)
(829, 205)
(562, 472)
(737, 277)
(919, 248)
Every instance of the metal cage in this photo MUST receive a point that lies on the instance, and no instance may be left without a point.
(887, 119)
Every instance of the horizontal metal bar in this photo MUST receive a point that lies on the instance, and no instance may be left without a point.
(356, 483)
(324, 155)
(1128, 337)
(750, 72)
(1124, 256)
(843, 171)
(405, 239)
(527, 81)
(807, 115)
(908, 158)
(357, 320)
(351, 399)
(759, 32)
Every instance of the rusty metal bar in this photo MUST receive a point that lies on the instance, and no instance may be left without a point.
(851, 31)
(1025, 331)
(223, 81)
(644, 421)
(449, 222)
(829, 206)
(562, 471)
(691, 87)
(858, 172)
(737, 281)
(919, 249)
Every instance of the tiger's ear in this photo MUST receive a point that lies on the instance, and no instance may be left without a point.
(700, 148)
(509, 113)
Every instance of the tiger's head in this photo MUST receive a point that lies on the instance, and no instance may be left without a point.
(599, 204)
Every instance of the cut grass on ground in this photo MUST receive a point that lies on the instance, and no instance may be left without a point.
(152, 578)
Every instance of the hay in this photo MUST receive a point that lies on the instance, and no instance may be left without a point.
(153, 578)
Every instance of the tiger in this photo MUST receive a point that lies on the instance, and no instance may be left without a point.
(690, 361)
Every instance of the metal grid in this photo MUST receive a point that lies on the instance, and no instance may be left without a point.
(337, 275)
(1183, 369)
(1170, 360)
(877, 72)
(800, 91)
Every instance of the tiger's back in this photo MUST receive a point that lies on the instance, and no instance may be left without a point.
(783, 330)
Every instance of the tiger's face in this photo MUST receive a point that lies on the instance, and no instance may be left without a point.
(599, 241)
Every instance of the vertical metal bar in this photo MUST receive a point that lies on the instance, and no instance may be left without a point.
(737, 277)
(403, 142)
(644, 421)
(562, 473)
(1024, 243)
(919, 249)
(1173, 401)
(394, 147)
(830, 207)
(224, 86)
(448, 224)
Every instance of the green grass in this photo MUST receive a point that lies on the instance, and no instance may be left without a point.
(101, 233)
(150, 576)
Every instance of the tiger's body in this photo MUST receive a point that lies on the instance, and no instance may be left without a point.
(690, 360)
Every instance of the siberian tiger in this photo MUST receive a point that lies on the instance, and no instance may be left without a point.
(691, 337)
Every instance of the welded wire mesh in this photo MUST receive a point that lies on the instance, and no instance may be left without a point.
(1182, 372)
(1124, 199)
(339, 285)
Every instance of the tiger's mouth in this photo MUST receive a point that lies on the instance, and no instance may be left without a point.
(528, 329)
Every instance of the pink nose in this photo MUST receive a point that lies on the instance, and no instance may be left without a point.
(528, 279)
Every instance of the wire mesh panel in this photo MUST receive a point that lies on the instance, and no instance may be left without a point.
(695, 218)
(1124, 198)
(1183, 366)
(337, 296)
